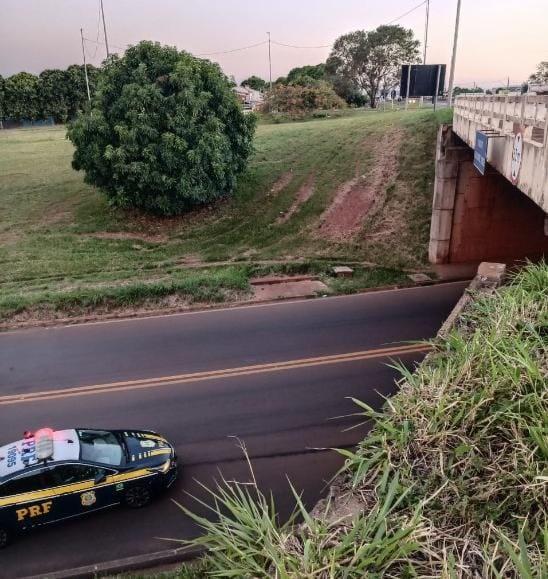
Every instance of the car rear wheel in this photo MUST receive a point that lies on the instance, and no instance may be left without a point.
(137, 497)
(5, 538)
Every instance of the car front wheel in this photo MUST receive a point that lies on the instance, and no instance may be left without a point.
(137, 497)
(5, 538)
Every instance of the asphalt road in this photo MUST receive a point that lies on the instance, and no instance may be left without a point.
(277, 376)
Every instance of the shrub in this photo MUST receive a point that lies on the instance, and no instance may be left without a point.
(297, 99)
(165, 132)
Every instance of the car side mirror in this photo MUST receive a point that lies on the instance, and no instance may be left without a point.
(100, 477)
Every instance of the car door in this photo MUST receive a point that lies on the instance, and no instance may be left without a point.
(26, 501)
(83, 488)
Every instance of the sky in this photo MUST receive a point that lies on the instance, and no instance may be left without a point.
(499, 39)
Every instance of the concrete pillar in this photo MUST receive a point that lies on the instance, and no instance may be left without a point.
(448, 157)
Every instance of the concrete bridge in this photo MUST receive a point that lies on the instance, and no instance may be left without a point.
(500, 213)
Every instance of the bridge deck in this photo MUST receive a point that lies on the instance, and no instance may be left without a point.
(518, 143)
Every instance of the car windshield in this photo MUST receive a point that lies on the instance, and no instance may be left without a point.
(100, 446)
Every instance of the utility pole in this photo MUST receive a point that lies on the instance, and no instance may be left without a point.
(426, 30)
(85, 64)
(454, 57)
(270, 60)
(104, 28)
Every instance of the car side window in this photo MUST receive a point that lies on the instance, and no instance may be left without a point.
(23, 484)
(64, 474)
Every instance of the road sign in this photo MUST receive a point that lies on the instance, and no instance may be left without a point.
(422, 80)
(480, 151)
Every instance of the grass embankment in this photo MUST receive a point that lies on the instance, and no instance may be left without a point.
(62, 249)
(451, 482)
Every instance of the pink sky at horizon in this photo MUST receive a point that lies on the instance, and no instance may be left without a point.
(498, 38)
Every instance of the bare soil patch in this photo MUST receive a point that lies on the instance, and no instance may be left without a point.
(303, 195)
(355, 199)
(282, 182)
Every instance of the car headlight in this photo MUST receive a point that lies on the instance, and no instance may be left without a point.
(163, 468)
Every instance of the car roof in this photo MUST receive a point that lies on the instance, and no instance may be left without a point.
(18, 456)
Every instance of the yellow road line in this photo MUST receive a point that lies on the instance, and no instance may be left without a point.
(211, 375)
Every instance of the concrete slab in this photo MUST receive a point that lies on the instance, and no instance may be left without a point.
(275, 279)
(419, 277)
(343, 271)
(290, 289)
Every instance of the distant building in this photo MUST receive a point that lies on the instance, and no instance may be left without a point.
(251, 99)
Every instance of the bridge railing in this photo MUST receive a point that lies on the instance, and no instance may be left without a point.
(503, 113)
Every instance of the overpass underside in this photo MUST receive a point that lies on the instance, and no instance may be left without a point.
(479, 217)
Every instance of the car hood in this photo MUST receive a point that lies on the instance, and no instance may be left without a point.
(147, 447)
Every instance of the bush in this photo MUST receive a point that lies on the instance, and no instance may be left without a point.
(165, 132)
(297, 99)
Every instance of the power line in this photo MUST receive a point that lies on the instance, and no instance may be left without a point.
(233, 49)
(294, 46)
(262, 43)
(103, 43)
(406, 13)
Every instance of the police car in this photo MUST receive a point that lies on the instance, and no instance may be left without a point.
(51, 475)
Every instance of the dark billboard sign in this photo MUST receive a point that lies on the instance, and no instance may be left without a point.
(423, 80)
(480, 151)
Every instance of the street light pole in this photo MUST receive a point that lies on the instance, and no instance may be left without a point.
(104, 28)
(454, 57)
(426, 30)
(270, 60)
(85, 64)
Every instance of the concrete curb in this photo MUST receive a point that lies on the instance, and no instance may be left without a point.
(489, 277)
(168, 557)
(79, 320)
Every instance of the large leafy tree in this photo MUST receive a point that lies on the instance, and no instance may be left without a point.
(255, 82)
(540, 76)
(54, 94)
(371, 60)
(165, 133)
(77, 96)
(21, 99)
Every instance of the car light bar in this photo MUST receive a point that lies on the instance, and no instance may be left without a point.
(44, 443)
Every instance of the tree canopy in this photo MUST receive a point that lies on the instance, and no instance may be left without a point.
(306, 75)
(540, 76)
(166, 131)
(54, 93)
(371, 60)
(255, 82)
(21, 96)
(461, 90)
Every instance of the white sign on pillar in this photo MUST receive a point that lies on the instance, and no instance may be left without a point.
(517, 152)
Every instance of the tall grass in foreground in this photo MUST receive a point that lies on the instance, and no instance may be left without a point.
(451, 482)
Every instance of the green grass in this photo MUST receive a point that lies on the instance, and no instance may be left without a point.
(451, 482)
(59, 237)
